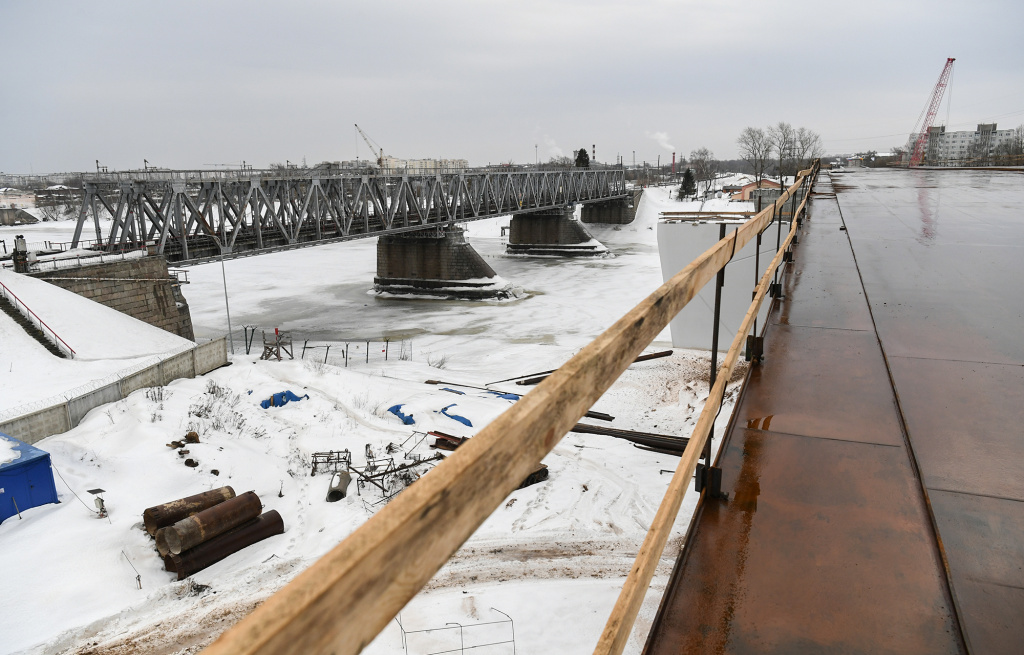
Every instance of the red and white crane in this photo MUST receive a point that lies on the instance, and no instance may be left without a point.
(932, 109)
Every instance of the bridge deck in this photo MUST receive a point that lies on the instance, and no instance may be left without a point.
(830, 540)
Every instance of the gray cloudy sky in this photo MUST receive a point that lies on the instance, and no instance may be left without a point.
(195, 84)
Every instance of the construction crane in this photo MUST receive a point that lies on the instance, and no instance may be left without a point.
(375, 148)
(929, 113)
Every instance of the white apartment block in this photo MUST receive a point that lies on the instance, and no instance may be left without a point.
(394, 163)
(983, 142)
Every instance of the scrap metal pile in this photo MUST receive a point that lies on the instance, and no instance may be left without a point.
(379, 472)
(198, 531)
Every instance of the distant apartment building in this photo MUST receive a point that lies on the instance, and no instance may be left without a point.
(395, 164)
(982, 143)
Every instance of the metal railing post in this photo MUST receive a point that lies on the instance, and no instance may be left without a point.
(716, 323)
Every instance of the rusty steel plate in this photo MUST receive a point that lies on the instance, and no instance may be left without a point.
(824, 383)
(824, 546)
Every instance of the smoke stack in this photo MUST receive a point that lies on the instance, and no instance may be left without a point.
(673, 163)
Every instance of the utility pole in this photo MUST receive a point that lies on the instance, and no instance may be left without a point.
(224, 276)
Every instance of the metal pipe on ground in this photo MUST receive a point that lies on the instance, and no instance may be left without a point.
(339, 486)
(209, 523)
(210, 552)
(659, 441)
(160, 516)
(543, 374)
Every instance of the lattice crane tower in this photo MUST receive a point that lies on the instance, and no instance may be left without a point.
(932, 109)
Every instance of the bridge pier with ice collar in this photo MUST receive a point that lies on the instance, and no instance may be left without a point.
(620, 211)
(436, 262)
(552, 232)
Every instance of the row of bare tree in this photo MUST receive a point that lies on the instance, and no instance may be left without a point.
(793, 149)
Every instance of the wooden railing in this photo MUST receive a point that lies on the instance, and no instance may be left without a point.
(341, 602)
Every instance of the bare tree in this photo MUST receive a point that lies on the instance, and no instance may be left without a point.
(756, 150)
(705, 168)
(807, 147)
(1014, 146)
(562, 162)
(781, 135)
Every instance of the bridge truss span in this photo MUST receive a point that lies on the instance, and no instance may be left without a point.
(190, 216)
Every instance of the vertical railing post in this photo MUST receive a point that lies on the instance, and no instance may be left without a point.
(716, 323)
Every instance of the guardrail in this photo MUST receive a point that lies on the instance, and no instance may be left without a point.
(373, 573)
(27, 312)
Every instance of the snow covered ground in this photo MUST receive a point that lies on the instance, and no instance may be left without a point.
(552, 557)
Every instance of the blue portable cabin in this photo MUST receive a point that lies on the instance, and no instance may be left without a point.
(25, 481)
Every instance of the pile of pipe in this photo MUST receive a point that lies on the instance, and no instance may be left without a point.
(198, 531)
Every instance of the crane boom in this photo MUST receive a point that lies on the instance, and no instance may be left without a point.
(933, 108)
(377, 151)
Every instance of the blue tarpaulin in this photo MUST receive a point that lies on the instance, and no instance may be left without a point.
(456, 417)
(397, 411)
(281, 398)
(506, 396)
(26, 481)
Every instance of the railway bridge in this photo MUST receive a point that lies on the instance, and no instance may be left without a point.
(194, 216)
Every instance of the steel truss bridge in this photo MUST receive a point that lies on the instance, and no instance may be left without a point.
(192, 216)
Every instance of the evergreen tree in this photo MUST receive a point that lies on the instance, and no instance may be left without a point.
(582, 158)
(689, 186)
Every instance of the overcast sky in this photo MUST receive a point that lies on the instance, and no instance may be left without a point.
(200, 84)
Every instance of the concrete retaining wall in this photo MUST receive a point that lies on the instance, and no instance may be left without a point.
(141, 288)
(82, 405)
(211, 355)
(179, 366)
(61, 417)
(147, 377)
(30, 428)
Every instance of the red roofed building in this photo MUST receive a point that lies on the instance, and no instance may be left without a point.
(744, 192)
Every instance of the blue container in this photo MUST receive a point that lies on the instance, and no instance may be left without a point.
(26, 481)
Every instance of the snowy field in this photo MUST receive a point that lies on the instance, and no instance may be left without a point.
(553, 557)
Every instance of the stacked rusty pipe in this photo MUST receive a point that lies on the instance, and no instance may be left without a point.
(195, 532)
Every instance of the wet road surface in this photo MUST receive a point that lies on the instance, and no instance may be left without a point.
(875, 462)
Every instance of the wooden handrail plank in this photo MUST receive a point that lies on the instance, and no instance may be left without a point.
(341, 602)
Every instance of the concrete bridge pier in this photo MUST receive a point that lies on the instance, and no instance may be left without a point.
(552, 232)
(620, 211)
(436, 262)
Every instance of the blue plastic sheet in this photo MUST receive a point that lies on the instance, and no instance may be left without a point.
(461, 419)
(281, 398)
(397, 411)
(506, 396)
(461, 393)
